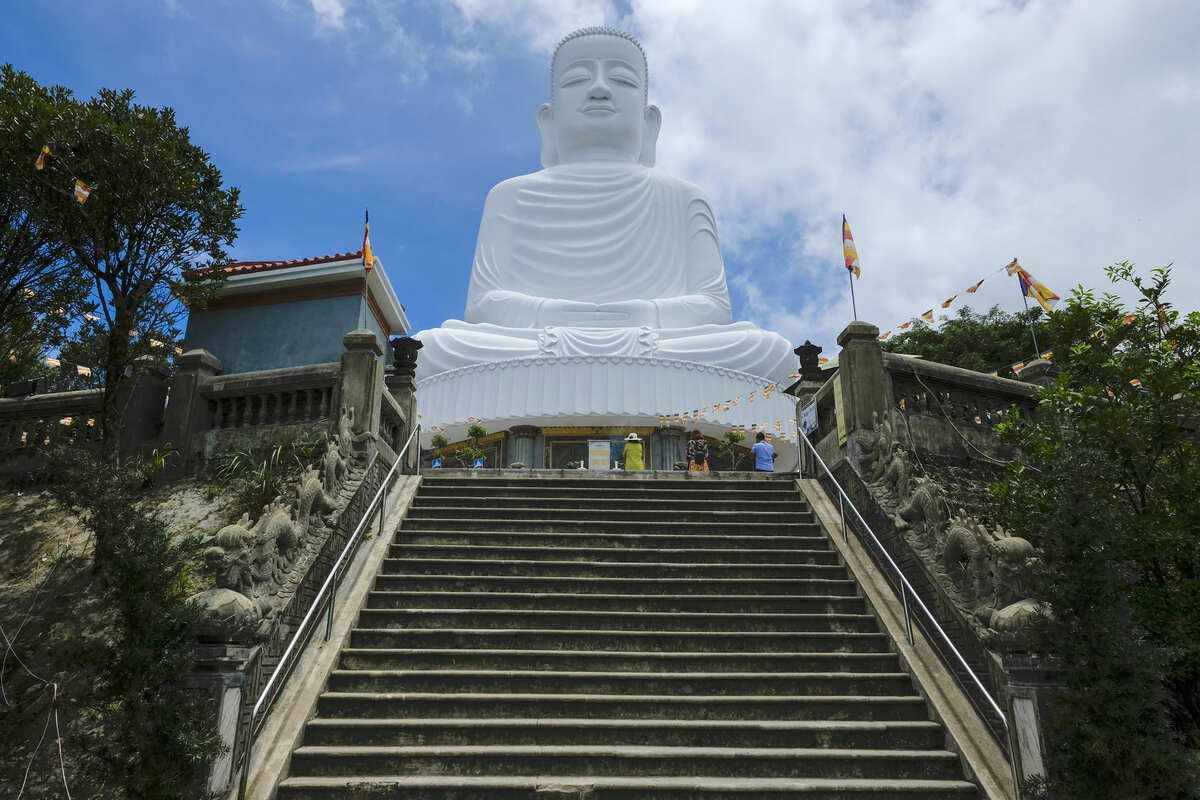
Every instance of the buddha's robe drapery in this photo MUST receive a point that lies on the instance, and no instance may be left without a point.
(600, 234)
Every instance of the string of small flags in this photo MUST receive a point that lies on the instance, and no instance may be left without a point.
(1030, 287)
(83, 369)
(81, 191)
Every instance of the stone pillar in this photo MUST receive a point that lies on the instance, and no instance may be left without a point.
(1039, 372)
(220, 670)
(140, 401)
(187, 413)
(401, 383)
(361, 380)
(1026, 685)
(670, 445)
(812, 378)
(866, 389)
(524, 446)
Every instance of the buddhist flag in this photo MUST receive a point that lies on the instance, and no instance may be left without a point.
(368, 256)
(974, 288)
(995, 373)
(1046, 354)
(1017, 366)
(1012, 267)
(822, 360)
(946, 303)
(81, 191)
(928, 315)
(884, 335)
(1128, 318)
(91, 317)
(905, 325)
(41, 159)
(53, 362)
(1038, 291)
(848, 249)
(179, 352)
(82, 370)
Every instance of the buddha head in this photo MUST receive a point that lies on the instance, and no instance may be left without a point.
(598, 109)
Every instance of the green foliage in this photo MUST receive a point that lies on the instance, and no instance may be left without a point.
(982, 342)
(727, 449)
(467, 455)
(136, 732)
(39, 294)
(157, 208)
(1106, 490)
(437, 441)
(476, 432)
(257, 476)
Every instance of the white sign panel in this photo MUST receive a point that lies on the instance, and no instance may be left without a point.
(598, 451)
(808, 418)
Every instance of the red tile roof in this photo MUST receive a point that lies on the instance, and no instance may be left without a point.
(247, 267)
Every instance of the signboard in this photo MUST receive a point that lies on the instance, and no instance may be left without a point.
(839, 408)
(478, 464)
(808, 418)
(598, 452)
(436, 463)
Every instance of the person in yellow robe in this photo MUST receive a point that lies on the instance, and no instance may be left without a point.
(633, 452)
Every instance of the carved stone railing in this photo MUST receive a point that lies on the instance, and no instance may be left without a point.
(31, 425)
(37, 422)
(393, 427)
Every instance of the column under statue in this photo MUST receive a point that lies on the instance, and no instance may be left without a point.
(598, 292)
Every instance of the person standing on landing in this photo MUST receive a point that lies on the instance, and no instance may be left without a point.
(632, 454)
(697, 453)
(764, 454)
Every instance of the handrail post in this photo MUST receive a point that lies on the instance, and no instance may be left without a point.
(907, 615)
(842, 515)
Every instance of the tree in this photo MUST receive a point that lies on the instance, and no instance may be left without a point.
(156, 209)
(39, 294)
(1106, 489)
(982, 342)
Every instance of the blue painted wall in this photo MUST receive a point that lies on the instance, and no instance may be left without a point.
(280, 335)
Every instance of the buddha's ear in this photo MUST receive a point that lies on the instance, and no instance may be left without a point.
(545, 121)
(650, 136)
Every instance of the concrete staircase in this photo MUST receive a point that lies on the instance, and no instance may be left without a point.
(618, 638)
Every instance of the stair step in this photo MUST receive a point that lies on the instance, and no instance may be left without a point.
(788, 502)
(616, 512)
(907, 735)
(496, 787)
(614, 760)
(607, 683)
(450, 581)
(624, 640)
(412, 533)
(584, 621)
(613, 569)
(611, 555)
(620, 486)
(488, 520)
(698, 661)
(367, 705)
(657, 603)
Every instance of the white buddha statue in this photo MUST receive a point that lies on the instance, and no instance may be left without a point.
(599, 254)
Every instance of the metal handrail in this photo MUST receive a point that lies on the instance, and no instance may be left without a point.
(303, 631)
(906, 588)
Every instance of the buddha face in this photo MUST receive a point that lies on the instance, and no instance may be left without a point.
(598, 108)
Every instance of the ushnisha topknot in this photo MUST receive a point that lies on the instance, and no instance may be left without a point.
(601, 30)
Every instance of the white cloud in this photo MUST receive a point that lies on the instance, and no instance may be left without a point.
(954, 136)
(330, 14)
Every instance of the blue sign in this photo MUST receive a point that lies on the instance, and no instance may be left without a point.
(478, 463)
(436, 464)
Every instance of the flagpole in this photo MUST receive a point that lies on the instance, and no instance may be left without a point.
(853, 304)
(1037, 351)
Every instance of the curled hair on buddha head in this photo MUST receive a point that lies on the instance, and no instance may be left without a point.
(602, 30)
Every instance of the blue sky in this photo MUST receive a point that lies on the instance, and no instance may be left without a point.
(954, 136)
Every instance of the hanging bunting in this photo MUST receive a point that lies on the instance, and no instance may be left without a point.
(974, 288)
(946, 303)
(82, 192)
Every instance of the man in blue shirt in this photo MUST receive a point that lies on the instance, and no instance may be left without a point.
(764, 454)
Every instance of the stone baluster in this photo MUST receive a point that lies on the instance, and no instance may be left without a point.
(308, 404)
(247, 411)
(326, 392)
(262, 409)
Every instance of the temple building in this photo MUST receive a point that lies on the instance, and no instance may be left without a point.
(273, 314)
